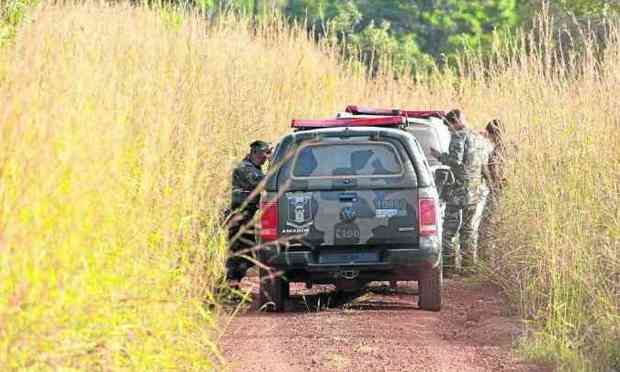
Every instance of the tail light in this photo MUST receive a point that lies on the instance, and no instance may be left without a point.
(428, 216)
(268, 221)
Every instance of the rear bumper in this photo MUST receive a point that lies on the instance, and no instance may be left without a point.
(376, 263)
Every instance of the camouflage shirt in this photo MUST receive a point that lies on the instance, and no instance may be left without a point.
(484, 149)
(246, 177)
(466, 164)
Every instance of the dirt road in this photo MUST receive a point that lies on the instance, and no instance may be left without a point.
(381, 330)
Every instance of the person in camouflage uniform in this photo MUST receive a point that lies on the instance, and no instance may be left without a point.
(495, 181)
(464, 195)
(245, 199)
(484, 149)
(495, 133)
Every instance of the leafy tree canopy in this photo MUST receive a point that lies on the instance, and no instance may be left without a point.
(414, 34)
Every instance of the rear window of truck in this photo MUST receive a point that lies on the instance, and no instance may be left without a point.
(351, 160)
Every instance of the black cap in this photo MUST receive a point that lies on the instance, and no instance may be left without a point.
(260, 146)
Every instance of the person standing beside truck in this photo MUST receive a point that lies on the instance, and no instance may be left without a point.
(493, 132)
(463, 196)
(484, 149)
(245, 198)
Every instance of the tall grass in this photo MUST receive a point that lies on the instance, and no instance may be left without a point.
(119, 129)
(557, 236)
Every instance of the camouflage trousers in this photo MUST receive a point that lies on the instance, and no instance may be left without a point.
(460, 220)
(481, 215)
(485, 240)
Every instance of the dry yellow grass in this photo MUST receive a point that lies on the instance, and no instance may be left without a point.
(120, 126)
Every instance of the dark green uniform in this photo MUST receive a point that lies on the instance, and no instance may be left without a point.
(245, 179)
(463, 197)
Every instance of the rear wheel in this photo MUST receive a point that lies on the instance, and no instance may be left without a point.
(429, 286)
(274, 291)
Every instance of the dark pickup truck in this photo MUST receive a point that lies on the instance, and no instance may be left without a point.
(349, 201)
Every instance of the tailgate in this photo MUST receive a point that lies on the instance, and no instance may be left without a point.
(350, 218)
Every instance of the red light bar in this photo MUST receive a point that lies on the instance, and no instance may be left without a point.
(386, 121)
(360, 110)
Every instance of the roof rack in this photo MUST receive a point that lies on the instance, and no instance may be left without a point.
(382, 121)
(361, 110)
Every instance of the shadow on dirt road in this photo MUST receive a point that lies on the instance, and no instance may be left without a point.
(379, 329)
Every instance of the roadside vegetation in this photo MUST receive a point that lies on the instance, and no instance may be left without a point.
(119, 127)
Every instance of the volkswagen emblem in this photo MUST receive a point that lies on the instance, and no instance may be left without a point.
(348, 214)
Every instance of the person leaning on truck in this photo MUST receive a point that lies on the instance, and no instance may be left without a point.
(245, 198)
(463, 196)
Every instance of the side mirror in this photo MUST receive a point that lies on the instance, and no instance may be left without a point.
(444, 177)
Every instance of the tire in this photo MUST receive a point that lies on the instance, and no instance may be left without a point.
(274, 291)
(429, 286)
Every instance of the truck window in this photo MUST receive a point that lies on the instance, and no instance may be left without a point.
(426, 138)
(352, 159)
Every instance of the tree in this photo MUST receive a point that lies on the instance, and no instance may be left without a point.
(589, 7)
(409, 32)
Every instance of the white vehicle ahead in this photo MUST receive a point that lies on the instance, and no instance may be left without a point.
(430, 131)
